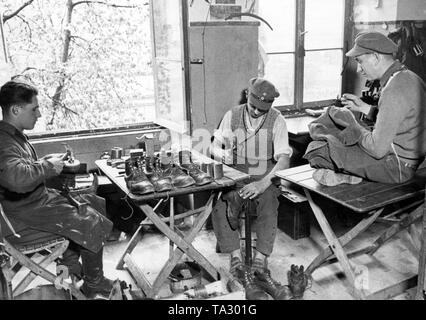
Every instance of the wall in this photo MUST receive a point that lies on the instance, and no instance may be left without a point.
(384, 18)
(389, 10)
(88, 149)
(230, 53)
(199, 11)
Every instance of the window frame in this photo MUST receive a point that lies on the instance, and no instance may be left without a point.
(184, 125)
(299, 56)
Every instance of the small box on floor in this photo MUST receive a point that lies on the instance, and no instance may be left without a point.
(294, 218)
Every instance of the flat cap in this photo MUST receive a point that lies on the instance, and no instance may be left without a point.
(262, 93)
(367, 42)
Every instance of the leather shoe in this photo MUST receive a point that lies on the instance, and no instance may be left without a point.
(245, 277)
(160, 182)
(201, 178)
(264, 280)
(101, 290)
(179, 178)
(297, 281)
(136, 180)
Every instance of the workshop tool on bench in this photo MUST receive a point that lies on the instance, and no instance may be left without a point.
(71, 164)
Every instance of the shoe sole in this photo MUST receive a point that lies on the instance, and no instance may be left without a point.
(332, 179)
(203, 183)
(184, 185)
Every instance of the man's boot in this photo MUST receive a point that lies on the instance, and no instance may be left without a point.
(264, 280)
(95, 284)
(149, 166)
(179, 178)
(201, 178)
(136, 180)
(70, 259)
(297, 281)
(243, 275)
(160, 181)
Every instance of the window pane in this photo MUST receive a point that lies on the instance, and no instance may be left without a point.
(280, 71)
(281, 15)
(106, 78)
(324, 23)
(170, 102)
(322, 75)
(167, 31)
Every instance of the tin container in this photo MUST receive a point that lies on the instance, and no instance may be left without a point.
(116, 153)
(218, 170)
(208, 167)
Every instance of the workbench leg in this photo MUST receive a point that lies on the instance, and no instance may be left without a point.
(327, 253)
(183, 244)
(396, 228)
(137, 236)
(335, 245)
(422, 259)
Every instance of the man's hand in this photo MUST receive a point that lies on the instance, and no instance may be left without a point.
(63, 156)
(354, 103)
(57, 160)
(253, 189)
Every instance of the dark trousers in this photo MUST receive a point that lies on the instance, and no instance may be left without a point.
(353, 160)
(266, 223)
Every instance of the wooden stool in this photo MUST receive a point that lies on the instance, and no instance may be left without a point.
(249, 212)
(14, 257)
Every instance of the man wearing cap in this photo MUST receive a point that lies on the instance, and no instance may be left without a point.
(253, 138)
(392, 151)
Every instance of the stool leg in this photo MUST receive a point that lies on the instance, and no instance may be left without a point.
(247, 236)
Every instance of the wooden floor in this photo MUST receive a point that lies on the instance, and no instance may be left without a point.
(394, 262)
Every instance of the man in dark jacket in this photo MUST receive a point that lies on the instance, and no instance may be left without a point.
(36, 212)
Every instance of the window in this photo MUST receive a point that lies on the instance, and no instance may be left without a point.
(91, 61)
(170, 61)
(304, 51)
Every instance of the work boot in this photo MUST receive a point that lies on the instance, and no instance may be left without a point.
(95, 285)
(149, 166)
(297, 281)
(70, 259)
(234, 206)
(243, 275)
(264, 280)
(201, 178)
(161, 182)
(136, 180)
(179, 178)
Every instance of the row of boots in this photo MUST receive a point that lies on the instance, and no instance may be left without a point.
(150, 174)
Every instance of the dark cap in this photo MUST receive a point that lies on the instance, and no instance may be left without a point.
(261, 93)
(368, 42)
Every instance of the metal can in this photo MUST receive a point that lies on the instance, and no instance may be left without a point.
(116, 153)
(209, 169)
(218, 171)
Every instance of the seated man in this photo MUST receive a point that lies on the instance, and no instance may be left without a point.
(37, 212)
(255, 141)
(392, 151)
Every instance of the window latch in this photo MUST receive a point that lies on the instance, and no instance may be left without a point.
(197, 61)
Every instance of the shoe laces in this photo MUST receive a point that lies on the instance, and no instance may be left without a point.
(236, 264)
(266, 276)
